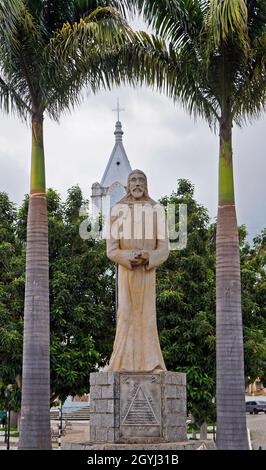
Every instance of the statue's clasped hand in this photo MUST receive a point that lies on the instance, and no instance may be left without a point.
(139, 258)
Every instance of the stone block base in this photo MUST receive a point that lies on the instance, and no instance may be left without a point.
(137, 407)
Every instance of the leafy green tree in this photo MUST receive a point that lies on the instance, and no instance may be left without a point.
(186, 306)
(213, 61)
(253, 275)
(12, 266)
(82, 301)
(81, 296)
(47, 54)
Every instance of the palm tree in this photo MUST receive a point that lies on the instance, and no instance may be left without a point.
(47, 55)
(213, 59)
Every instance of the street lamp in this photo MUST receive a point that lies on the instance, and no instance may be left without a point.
(8, 392)
(60, 422)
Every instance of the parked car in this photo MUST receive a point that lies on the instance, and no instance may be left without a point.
(256, 407)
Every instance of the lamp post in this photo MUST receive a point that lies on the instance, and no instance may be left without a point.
(214, 425)
(8, 391)
(5, 427)
(60, 423)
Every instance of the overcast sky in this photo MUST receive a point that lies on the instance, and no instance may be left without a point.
(159, 138)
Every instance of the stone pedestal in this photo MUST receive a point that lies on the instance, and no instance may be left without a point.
(137, 407)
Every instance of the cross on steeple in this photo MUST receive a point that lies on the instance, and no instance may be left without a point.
(118, 110)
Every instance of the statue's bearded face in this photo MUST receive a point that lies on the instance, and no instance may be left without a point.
(137, 184)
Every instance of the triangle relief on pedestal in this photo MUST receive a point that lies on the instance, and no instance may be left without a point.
(140, 411)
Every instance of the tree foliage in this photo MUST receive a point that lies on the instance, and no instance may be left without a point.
(82, 300)
(253, 272)
(50, 50)
(213, 54)
(186, 305)
(82, 296)
(12, 265)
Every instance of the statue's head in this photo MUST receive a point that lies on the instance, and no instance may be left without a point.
(137, 188)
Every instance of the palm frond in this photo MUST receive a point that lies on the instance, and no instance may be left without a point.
(48, 70)
(174, 20)
(83, 7)
(151, 60)
(226, 18)
(84, 54)
(9, 9)
(49, 74)
(250, 92)
(9, 14)
(21, 51)
(256, 18)
(103, 27)
(93, 75)
(11, 101)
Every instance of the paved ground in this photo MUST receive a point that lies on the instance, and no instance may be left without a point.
(257, 426)
(79, 432)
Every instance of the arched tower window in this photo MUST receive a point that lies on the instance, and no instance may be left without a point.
(116, 192)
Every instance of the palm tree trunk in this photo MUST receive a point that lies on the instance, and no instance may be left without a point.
(230, 386)
(35, 411)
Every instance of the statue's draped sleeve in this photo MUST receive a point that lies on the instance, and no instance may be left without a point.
(159, 255)
(114, 252)
(161, 252)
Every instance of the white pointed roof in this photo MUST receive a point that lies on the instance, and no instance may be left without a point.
(118, 167)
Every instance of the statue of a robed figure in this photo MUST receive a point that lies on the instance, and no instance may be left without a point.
(138, 243)
(135, 400)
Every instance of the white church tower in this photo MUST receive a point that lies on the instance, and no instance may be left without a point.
(114, 181)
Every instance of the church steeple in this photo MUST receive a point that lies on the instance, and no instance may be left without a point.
(118, 167)
(114, 179)
(118, 127)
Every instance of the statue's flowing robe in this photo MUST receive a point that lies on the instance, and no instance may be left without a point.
(137, 346)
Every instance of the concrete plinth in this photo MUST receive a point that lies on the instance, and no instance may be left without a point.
(137, 407)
